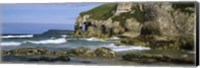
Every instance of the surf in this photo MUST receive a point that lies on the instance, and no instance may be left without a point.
(10, 43)
(125, 48)
(17, 36)
(49, 41)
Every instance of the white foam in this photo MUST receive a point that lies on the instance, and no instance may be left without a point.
(17, 36)
(49, 41)
(64, 36)
(114, 38)
(94, 39)
(10, 43)
(126, 48)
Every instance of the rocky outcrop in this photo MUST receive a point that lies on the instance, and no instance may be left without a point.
(79, 52)
(166, 21)
(34, 52)
(99, 52)
(154, 58)
(37, 54)
(28, 51)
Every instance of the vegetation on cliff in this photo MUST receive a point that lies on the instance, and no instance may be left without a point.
(102, 12)
(137, 14)
(183, 6)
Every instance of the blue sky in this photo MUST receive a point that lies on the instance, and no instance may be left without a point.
(18, 17)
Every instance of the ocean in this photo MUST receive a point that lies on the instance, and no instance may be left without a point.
(60, 41)
(63, 40)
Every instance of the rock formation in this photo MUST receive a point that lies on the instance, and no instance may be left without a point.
(156, 18)
(167, 21)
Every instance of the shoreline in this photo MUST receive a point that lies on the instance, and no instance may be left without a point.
(118, 60)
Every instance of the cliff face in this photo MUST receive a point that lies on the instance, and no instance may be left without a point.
(134, 19)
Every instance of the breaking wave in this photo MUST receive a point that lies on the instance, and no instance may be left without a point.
(17, 36)
(126, 48)
(93, 39)
(49, 41)
(64, 36)
(10, 43)
(114, 38)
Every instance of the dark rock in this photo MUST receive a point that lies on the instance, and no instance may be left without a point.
(153, 58)
(182, 60)
(50, 59)
(63, 58)
(87, 62)
(5, 52)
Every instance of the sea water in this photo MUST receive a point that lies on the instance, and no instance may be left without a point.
(60, 42)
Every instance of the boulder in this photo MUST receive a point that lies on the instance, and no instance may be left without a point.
(105, 52)
(82, 51)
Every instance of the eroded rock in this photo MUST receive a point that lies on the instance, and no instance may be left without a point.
(105, 52)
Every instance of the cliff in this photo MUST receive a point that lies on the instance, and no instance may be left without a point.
(166, 21)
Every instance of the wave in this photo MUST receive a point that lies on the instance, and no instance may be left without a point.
(64, 36)
(18, 36)
(98, 39)
(114, 38)
(126, 48)
(49, 41)
(10, 43)
(94, 39)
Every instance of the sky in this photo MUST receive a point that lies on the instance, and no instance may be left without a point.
(38, 18)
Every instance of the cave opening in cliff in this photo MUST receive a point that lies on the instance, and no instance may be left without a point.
(86, 25)
(103, 29)
(150, 28)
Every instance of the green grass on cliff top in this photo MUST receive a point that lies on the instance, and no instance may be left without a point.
(102, 12)
(183, 6)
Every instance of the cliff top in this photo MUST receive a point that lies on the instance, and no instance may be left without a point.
(102, 12)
